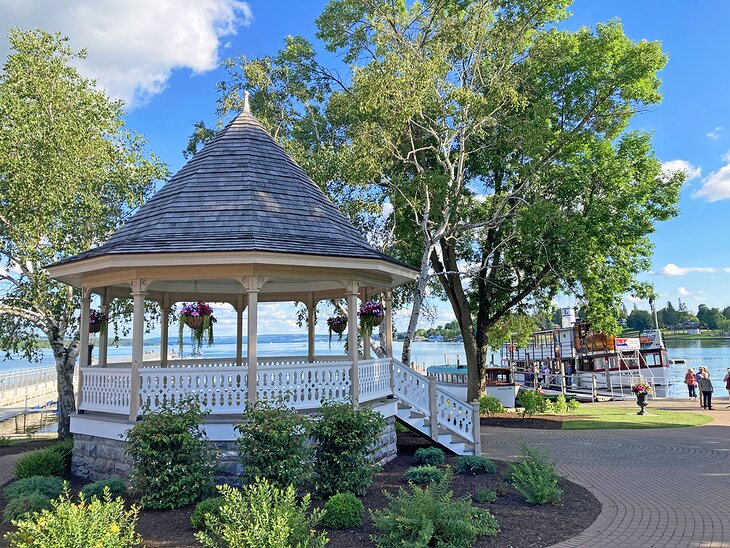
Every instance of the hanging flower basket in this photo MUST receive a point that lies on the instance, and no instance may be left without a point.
(371, 315)
(336, 324)
(199, 318)
(97, 321)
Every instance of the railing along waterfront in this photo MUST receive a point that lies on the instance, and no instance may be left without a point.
(27, 385)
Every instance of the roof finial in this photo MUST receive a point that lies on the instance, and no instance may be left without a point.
(246, 106)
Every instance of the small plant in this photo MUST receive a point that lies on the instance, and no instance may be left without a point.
(534, 477)
(371, 314)
(532, 401)
(430, 456)
(43, 462)
(423, 475)
(25, 504)
(343, 511)
(485, 496)
(419, 517)
(99, 522)
(115, 484)
(560, 405)
(272, 439)
(97, 321)
(199, 317)
(261, 515)
(48, 486)
(474, 464)
(573, 405)
(172, 464)
(336, 324)
(205, 508)
(489, 405)
(344, 437)
(641, 387)
(65, 449)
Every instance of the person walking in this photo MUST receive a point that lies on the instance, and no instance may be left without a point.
(705, 385)
(698, 377)
(727, 383)
(691, 382)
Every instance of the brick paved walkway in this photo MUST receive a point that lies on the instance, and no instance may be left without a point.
(658, 487)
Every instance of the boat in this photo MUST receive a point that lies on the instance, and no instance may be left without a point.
(581, 356)
(678, 361)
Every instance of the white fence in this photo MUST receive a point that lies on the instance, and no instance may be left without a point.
(31, 386)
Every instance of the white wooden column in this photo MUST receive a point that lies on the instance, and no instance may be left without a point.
(239, 329)
(138, 294)
(352, 295)
(83, 339)
(388, 304)
(364, 296)
(104, 333)
(311, 312)
(164, 329)
(253, 286)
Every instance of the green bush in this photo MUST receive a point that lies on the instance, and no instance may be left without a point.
(419, 517)
(43, 462)
(260, 515)
(474, 464)
(430, 456)
(99, 522)
(272, 441)
(534, 477)
(65, 449)
(344, 437)
(343, 511)
(172, 464)
(488, 405)
(424, 474)
(532, 402)
(560, 405)
(31, 502)
(573, 405)
(208, 506)
(48, 486)
(117, 487)
(485, 496)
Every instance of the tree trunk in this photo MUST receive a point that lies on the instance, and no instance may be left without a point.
(65, 358)
(418, 296)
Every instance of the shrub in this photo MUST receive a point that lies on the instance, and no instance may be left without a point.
(172, 465)
(205, 507)
(65, 449)
(485, 496)
(474, 464)
(99, 522)
(32, 502)
(344, 437)
(560, 405)
(43, 462)
(418, 517)
(573, 405)
(261, 515)
(115, 484)
(534, 477)
(532, 402)
(343, 511)
(272, 440)
(488, 405)
(430, 456)
(424, 474)
(48, 486)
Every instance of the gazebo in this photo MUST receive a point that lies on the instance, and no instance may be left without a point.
(240, 223)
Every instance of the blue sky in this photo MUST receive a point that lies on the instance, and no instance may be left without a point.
(162, 57)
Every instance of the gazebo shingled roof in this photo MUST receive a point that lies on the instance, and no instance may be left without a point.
(242, 192)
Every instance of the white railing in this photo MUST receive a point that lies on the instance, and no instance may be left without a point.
(304, 386)
(105, 389)
(375, 379)
(262, 361)
(411, 387)
(456, 416)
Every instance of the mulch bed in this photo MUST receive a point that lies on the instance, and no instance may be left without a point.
(522, 525)
(25, 446)
(513, 420)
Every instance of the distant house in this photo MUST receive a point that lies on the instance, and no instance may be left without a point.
(694, 331)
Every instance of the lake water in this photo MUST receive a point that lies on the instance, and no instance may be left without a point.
(714, 354)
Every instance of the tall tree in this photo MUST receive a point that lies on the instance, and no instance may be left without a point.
(70, 173)
(500, 141)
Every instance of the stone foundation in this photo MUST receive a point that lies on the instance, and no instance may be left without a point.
(96, 458)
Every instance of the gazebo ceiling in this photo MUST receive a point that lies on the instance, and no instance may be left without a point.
(241, 200)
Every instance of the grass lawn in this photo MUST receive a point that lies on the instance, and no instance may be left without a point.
(593, 417)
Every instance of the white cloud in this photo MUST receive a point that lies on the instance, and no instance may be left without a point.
(715, 133)
(671, 269)
(134, 45)
(716, 186)
(682, 292)
(672, 166)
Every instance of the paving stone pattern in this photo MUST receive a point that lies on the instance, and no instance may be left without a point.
(658, 487)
